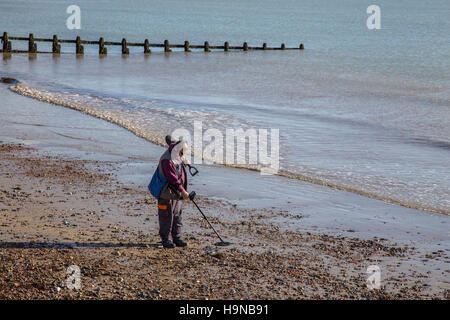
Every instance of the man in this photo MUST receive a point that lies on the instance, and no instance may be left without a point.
(170, 206)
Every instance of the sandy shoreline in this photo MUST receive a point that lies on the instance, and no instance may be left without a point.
(58, 212)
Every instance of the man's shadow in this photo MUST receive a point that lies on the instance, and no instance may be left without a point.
(72, 245)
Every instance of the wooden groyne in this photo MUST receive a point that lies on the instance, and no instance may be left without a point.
(124, 44)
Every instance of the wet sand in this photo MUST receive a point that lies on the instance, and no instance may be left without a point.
(75, 199)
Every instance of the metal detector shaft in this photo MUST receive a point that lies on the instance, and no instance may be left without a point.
(207, 220)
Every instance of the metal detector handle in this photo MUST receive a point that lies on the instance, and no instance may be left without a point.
(192, 170)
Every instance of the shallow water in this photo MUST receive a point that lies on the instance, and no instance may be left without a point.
(360, 110)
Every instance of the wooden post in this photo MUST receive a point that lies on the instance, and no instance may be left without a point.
(147, 46)
(6, 43)
(101, 46)
(166, 46)
(207, 46)
(301, 47)
(186, 46)
(32, 48)
(56, 48)
(79, 47)
(125, 50)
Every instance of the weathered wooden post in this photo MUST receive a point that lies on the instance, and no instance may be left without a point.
(245, 47)
(6, 43)
(101, 46)
(56, 48)
(125, 50)
(79, 47)
(283, 47)
(264, 46)
(32, 48)
(226, 46)
(186, 46)
(147, 46)
(301, 47)
(166, 46)
(207, 47)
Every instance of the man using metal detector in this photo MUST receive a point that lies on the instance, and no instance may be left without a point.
(168, 186)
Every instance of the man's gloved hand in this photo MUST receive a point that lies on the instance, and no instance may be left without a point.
(184, 195)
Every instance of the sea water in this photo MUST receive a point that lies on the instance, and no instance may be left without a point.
(367, 111)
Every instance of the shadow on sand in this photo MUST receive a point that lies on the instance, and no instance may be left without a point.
(71, 245)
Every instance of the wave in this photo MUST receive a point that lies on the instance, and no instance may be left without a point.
(155, 134)
(57, 99)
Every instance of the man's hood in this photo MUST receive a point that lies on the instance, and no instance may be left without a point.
(175, 148)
